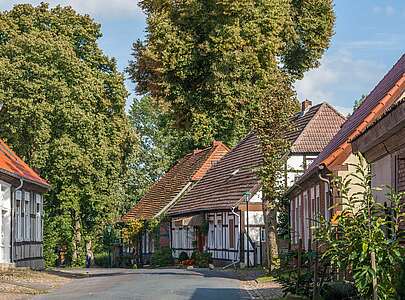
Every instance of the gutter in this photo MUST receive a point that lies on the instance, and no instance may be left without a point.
(46, 186)
(327, 181)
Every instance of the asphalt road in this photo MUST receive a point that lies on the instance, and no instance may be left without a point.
(153, 284)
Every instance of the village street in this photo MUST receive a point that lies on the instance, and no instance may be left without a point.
(151, 284)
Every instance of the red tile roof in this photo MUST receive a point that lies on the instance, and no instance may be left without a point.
(12, 165)
(224, 184)
(315, 129)
(373, 106)
(189, 169)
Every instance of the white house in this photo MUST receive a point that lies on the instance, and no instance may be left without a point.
(21, 212)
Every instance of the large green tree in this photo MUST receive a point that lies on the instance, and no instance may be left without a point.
(224, 67)
(64, 115)
(159, 145)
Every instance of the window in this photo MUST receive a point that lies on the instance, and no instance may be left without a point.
(317, 202)
(231, 233)
(211, 237)
(312, 214)
(38, 217)
(327, 213)
(27, 217)
(218, 234)
(297, 218)
(305, 221)
(19, 214)
(292, 216)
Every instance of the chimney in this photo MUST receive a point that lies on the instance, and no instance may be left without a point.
(305, 105)
(216, 143)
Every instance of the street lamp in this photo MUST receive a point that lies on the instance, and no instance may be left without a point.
(247, 197)
(109, 228)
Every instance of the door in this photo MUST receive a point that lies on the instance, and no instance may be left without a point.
(200, 241)
(5, 223)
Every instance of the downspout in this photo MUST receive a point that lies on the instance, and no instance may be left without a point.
(13, 218)
(238, 260)
(327, 181)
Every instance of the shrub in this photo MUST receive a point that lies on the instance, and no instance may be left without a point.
(183, 256)
(359, 234)
(102, 259)
(201, 259)
(400, 281)
(339, 290)
(162, 257)
(125, 261)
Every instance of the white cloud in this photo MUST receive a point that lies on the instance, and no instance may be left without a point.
(387, 10)
(340, 80)
(106, 9)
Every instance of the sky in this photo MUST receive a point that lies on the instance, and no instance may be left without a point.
(368, 40)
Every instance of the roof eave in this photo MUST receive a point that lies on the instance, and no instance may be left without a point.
(42, 185)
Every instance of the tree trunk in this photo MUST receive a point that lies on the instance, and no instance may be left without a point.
(77, 239)
(270, 221)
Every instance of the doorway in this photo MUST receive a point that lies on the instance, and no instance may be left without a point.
(5, 223)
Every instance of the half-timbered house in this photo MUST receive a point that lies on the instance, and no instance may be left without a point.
(383, 146)
(222, 213)
(167, 190)
(21, 212)
(311, 196)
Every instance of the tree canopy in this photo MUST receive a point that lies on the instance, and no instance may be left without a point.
(158, 145)
(64, 115)
(211, 62)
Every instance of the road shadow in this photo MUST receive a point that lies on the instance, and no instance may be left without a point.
(219, 294)
(217, 273)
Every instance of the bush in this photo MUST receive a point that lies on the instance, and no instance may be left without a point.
(102, 259)
(183, 256)
(339, 290)
(201, 259)
(125, 261)
(359, 233)
(162, 257)
(400, 282)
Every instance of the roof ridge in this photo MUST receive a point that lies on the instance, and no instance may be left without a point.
(215, 146)
(335, 110)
